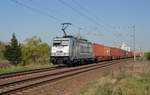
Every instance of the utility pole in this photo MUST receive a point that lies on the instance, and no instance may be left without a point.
(134, 40)
(134, 29)
(79, 33)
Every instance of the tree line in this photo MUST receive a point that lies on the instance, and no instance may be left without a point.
(148, 55)
(33, 50)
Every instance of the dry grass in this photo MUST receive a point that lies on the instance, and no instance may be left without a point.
(128, 79)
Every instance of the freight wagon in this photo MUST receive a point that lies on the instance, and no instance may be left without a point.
(129, 54)
(101, 52)
(115, 53)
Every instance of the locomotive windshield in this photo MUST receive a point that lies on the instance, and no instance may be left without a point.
(60, 42)
(56, 43)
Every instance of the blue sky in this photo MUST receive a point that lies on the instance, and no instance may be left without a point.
(102, 21)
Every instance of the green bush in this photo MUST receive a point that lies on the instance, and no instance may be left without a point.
(35, 51)
(148, 55)
(2, 58)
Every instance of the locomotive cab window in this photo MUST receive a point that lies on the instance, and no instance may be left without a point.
(65, 43)
(56, 43)
(61, 43)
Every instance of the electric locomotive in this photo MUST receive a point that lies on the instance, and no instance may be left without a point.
(71, 50)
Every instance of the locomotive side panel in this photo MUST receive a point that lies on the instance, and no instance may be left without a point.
(83, 50)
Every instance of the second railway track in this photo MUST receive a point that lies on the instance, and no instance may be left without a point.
(21, 73)
(15, 86)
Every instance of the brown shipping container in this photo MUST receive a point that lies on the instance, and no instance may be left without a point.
(100, 50)
(121, 53)
(115, 51)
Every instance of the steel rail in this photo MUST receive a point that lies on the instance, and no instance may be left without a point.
(57, 78)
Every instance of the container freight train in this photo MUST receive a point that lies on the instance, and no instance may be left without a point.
(70, 50)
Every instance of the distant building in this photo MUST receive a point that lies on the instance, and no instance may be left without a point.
(125, 47)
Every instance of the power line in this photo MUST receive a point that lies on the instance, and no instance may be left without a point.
(47, 8)
(79, 12)
(94, 16)
(85, 9)
(36, 10)
(51, 16)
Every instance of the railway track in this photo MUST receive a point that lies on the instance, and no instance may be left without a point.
(19, 85)
(21, 73)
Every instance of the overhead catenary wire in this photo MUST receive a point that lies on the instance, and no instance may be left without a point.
(39, 11)
(92, 14)
(48, 9)
(79, 12)
(56, 18)
(36, 10)
(95, 17)
(84, 16)
(42, 12)
(87, 11)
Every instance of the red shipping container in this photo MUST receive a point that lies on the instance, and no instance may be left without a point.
(121, 53)
(128, 54)
(115, 51)
(100, 50)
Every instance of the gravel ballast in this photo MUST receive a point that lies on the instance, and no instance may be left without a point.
(68, 86)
